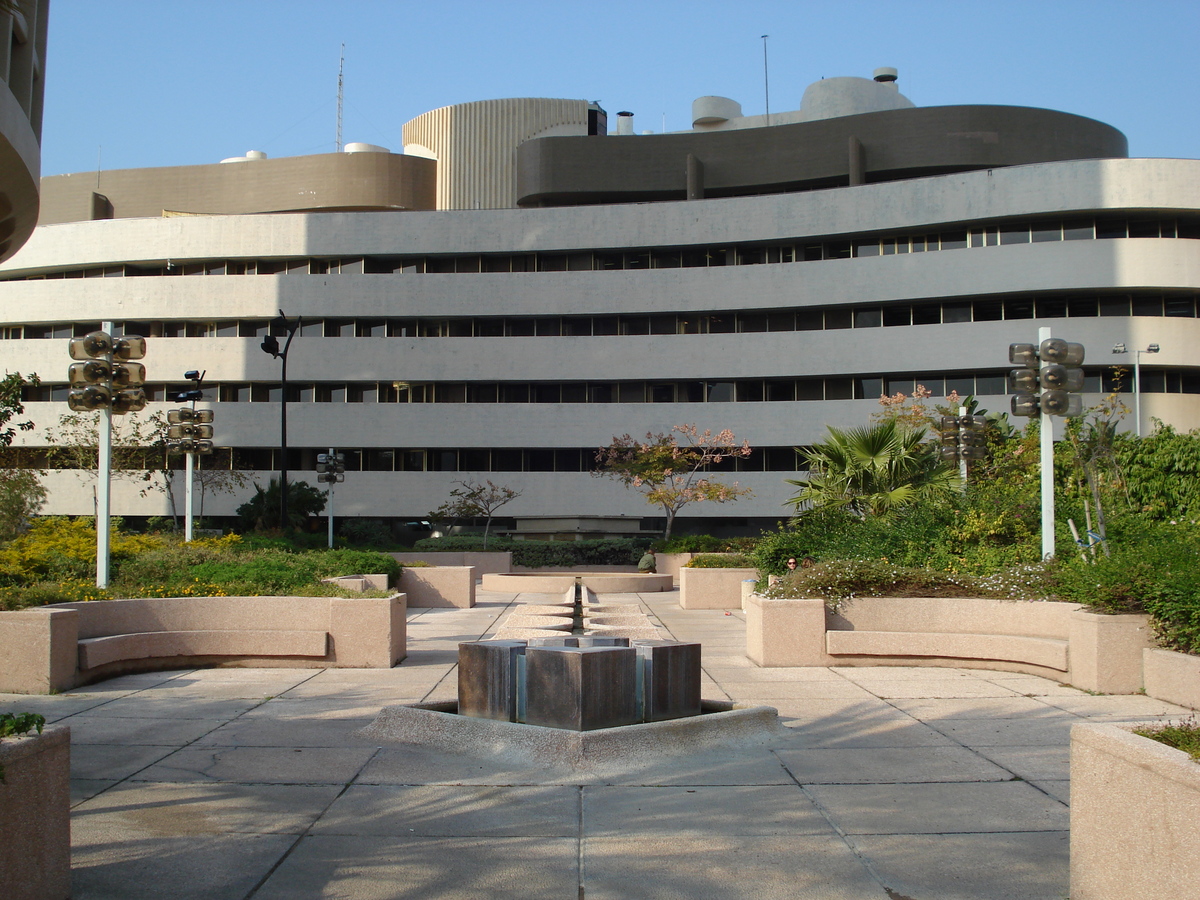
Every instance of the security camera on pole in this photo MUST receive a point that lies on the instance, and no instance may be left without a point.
(1048, 385)
(106, 380)
(331, 469)
(190, 431)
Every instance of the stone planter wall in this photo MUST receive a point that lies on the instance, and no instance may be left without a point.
(61, 646)
(1135, 817)
(483, 562)
(672, 563)
(443, 586)
(712, 588)
(1055, 640)
(1171, 676)
(35, 815)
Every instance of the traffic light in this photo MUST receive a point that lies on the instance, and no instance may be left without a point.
(1050, 378)
(105, 377)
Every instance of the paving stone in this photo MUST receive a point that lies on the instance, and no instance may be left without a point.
(454, 811)
(691, 812)
(290, 731)
(89, 729)
(1032, 763)
(729, 867)
(419, 868)
(193, 809)
(967, 808)
(1029, 866)
(115, 864)
(889, 765)
(260, 765)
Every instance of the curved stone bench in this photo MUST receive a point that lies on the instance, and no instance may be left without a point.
(61, 646)
(1063, 641)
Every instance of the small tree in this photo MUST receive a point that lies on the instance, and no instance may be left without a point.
(670, 469)
(138, 447)
(472, 500)
(21, 493)
(261, 512)
(873, 471)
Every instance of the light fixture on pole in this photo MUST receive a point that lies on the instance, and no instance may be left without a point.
(189, 431)
(105, 380)
(1048, 384)
(270, 344)
(1137, 381)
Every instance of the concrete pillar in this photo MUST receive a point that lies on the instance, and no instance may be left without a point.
(695, 178)
(1105, 652)
(786, 632)
(857, 161)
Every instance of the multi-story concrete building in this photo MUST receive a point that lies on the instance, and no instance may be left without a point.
(522, 286)
(22, 62)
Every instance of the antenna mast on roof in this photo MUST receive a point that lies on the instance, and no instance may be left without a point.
(341, 67)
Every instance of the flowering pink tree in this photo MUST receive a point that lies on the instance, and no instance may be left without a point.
(671, 469)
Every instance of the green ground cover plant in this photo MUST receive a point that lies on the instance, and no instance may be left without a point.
(18, 724)
(54, 562)
(1183, 736)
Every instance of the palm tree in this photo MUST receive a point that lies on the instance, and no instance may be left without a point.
(873, 471)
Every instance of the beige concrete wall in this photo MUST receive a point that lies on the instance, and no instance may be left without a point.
(1106, 651)
(1135, 817)
(439, 586)
(712, 588)
(672, 563)
(1171, 676)
(39, 648)
(483, 562)
(786, 632)
(35, 815)
(1065, 641)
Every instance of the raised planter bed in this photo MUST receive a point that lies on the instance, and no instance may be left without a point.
(1171, 676)
(1135, 817)
(712, 588)
(439, 586)
(35, 815)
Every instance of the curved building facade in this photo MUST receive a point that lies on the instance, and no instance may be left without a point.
(509, 344)
(22, 66)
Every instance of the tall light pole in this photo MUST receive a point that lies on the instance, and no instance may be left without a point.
(1137, 381)
(1048, 385)
(270, 344)
(106, 380)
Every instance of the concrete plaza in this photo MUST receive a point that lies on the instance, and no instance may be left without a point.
(889, 783)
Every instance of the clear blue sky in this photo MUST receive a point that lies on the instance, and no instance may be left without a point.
(133, 83)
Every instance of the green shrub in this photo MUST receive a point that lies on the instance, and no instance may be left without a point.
(1152, 570)
(367, 533)
(720, 561)
(844, 579)
(704, 543)
(547, 554)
